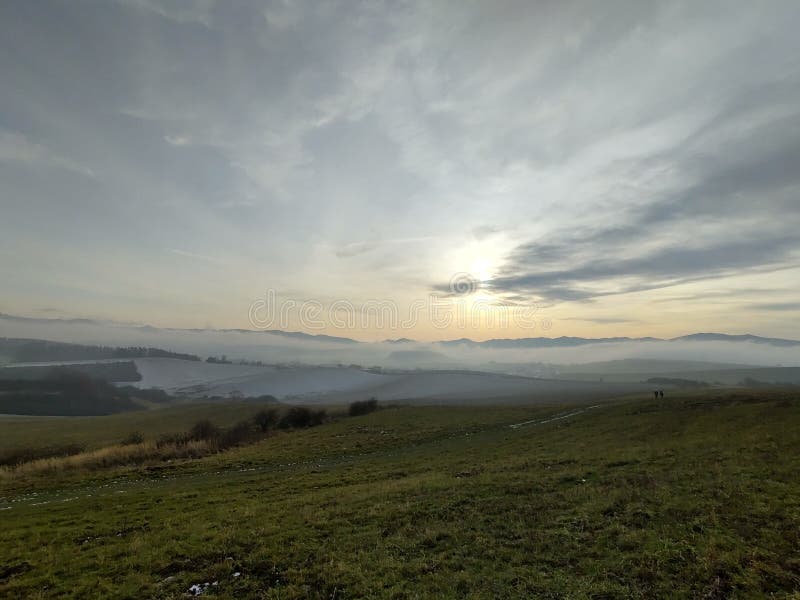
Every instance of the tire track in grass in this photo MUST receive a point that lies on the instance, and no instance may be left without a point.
(555, 418)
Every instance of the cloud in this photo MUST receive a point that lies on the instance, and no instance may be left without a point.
(197, 11)
(177, 140)
(352, 249)
(601, 320)
(481, 232)
(777, 306)
(663, 268)
(18, 148)
(577, 152)
(710, 214)
(355, 248)
(194, 255)
(49, 310)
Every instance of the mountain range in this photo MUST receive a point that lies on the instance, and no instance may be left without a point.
(499, 343)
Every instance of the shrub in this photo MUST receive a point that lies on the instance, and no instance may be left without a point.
(135, 437)
(318, 417)
(266, 419)
(240, 433)
(204, 430)
(173, 439)
(363, 407)
(300, 416)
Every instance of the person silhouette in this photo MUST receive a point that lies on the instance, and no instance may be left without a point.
(655, 394)
(661, 393)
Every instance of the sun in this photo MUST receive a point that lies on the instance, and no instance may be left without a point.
(481, 269)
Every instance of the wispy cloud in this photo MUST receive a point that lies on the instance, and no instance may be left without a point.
(177, 140)
(195, 256)
(18, 148)
(601, 320)
(356, 248)
(777, 306)
(197, 11)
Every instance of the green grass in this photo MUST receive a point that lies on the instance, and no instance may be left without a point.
(20, 432)
(695, 495)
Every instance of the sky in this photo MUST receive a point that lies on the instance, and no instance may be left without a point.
(430, 170)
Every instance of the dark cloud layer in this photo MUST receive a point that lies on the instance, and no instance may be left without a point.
(736, 209)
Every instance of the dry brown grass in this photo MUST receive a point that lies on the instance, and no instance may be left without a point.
(203, 439)
(111, 456)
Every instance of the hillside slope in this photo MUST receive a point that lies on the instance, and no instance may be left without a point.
(693, 496)
(306, 384)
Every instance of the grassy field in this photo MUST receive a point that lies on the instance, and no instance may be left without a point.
(696, 495)
(17, 432)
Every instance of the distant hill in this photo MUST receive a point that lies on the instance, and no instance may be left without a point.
(680, 373)
(63, 393)
(724, 337)
(678, 382)
(308, 336)
(112, 372)
(503, 343)
(649, 366)
(543, 342)
(778, 376)
(16, 350)
(567, 341)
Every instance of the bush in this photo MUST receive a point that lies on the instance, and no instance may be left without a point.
(299, 416)
(318, 417)
(237, 435)
(266, 419)
(363, 407)
(16, 457)
(173, 439)
(204, 430)
(135, 437)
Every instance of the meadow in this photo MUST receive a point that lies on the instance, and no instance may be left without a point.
(694, 495)
(20, 432)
